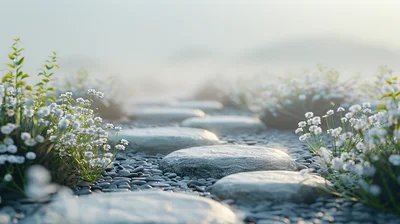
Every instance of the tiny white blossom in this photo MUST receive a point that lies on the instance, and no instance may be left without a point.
(30, 142)
(309, 115)
(25, 135)
(340, 109)
(124, 142)
(30, 155)
(8, 177)
(89, 154)
(302, 97)
(120, 147)
(39, 139)
(107, 147)
(118, 128)
(298, 130)
(394, 159)
(109, 126)
(374, 189)
(302, 124)
(8, 141)
(12, 148)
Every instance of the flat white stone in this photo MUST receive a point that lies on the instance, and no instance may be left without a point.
(165, 140)
(163, 114)
(282, 186)
(222, 160)
(225, 124)
(136, 207)
(204, 105)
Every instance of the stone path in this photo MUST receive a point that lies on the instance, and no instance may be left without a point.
(262, 196)
(226, 124)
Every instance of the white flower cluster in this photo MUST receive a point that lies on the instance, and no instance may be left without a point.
(351, 154)
(312, 89)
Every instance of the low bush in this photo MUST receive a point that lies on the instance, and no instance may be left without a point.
(62, 134)
(360, 155)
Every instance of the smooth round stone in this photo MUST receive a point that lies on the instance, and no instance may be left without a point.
(163, 114)
(204, 105)
(166, 139)
(226, 124)
(280, 186)
(136, 207)
(222, 160)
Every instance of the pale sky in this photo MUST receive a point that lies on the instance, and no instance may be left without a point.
(186, 39)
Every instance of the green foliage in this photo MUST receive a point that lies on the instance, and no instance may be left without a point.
(65, 136)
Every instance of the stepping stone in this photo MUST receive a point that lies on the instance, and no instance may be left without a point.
(261, 186)
(223, 160)
(149, 206)
(165, 140)
(163, 114)
(204, 105)
(225, 124)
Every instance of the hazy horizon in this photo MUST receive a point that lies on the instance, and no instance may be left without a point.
(175, 44)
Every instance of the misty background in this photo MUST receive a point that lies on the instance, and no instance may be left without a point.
(171, 46)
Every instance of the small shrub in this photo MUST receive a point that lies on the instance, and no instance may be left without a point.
(109, 107)
(282, 106)
(361, 154)
(61, 134)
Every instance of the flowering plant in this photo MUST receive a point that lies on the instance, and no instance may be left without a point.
(282, 106)
(63, 134)
(108, 107)
(361, 154)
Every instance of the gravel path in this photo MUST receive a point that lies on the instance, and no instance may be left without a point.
(138, 171)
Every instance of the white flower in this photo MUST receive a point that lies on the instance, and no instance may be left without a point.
(316, 120)
(89, 154)
(100, 94)
(8, 128)
(124, 142)
(337, 163)
(394, 159)
(330, 112)
(10, 113)
(374, 189)
(3, 148)
(298, 130)
(336, 132)
(118, 128)
(109, 126)
(76, 124)
(302, 97)
(324, 153)
(25, 135)
(302, 124)
(108, 155)
(29, 112)
(309, 115)
(355, 108)
(303, 137)
(107, 147)
(53, 138)
(343, 120)
(349, 115)
(340, 109)
(8, 177)
(12, 148)
(68, 94)
(63, 124)
(360, 146)
(120, 147)
(91, 92)
(59, 113)
(39, 139)
(366, 105)
(30, 142)
(8, 141)
(80, 100)
(30, 155)
(318, 131)
(98, 119)
(43, 112)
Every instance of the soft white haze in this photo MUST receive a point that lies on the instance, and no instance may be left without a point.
(171, 44)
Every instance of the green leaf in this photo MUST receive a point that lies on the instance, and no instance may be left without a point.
(11, 56)
(48, 67)
(24, 76)
(52, 89)
(11, 65)
(56, 65)
(52, 98)
(381, 107)
(29, 88)
(21, 61)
